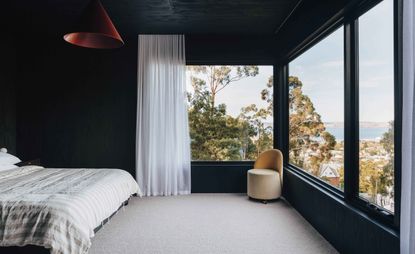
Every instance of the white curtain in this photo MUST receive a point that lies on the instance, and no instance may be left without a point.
(163, 142)
(407, 234)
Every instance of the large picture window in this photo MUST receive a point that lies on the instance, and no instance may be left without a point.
(343, 109)
(230, 111)
(316, 118)
(376, 106)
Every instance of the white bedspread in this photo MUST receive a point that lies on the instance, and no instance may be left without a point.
(59, 208)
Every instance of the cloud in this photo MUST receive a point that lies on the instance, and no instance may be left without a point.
(332, 64)
(372, 63)
(376, 81)
(339, 63)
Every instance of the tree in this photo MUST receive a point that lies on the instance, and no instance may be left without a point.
(387, 140)
(215, 135)
(255, 119)
(369, 179)
(387, 177)
(219, 77)
(268, 96)
(310, 143)
(376, 177)
(261, 135)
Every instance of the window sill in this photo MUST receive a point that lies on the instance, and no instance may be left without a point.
(225, 163)
(328, 189)
(337, 196)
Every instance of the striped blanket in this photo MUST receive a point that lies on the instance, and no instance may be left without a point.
(59, 208)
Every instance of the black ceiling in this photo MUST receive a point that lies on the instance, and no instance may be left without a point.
(132, 17)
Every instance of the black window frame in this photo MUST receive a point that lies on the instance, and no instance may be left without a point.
(258, 62)
(350, 195)
(317, 39)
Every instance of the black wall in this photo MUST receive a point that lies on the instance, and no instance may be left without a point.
(308, 19)
(7, 93)
(77, 107)
(223, 177)
(232, 49)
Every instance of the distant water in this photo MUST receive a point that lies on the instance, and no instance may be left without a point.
(364, 133)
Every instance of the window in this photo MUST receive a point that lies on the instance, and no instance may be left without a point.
(316, 110)
(230, 111)
(376, 106)
(354, 152)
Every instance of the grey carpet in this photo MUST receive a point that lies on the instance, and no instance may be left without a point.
(208, 224)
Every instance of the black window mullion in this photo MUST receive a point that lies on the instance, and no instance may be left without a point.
(281, 109)
(275, 108)
(397, 19)
(351, 107)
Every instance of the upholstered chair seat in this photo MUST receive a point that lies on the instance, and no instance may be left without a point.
(265, 179)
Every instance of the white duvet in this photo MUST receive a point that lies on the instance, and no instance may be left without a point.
(59, 208)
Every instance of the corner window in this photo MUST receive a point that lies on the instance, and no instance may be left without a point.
(230, 111)
(316, 110)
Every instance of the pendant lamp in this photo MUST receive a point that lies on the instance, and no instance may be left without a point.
(95, 29)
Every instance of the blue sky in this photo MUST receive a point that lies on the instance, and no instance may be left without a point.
(321, 71)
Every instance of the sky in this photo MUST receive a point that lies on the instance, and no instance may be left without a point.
(321, 71)
(244, 92)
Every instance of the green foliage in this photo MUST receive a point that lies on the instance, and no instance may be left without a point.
(260, 134)
(216, 135)
(310, 143)
(376, 177)
(387, 176)
(387, 140)
(219, 77)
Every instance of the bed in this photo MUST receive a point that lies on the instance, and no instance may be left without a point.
(59, 209)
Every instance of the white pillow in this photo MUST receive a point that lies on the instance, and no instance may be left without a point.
(7, 166)
(8, 159)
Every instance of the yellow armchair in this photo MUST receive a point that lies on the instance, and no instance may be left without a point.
(266, 178)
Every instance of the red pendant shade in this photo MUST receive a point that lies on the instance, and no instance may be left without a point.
(95, 29)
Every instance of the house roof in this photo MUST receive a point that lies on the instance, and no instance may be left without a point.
(329, 170)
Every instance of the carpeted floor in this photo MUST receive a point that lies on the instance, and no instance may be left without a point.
(208, 224)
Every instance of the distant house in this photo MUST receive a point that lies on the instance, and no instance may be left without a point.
(330, 172)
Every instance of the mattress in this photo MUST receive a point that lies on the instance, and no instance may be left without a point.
(59, 208)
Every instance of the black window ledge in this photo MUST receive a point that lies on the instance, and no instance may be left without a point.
(222, 163)
(337, 196)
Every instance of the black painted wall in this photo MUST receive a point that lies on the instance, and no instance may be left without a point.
(223, 177)
(77, 107)
(7, 93)
(230, 49)
(308, 19)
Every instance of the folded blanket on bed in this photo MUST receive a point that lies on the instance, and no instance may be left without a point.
(59, 208)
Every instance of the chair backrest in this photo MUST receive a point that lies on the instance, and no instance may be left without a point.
(270, 159)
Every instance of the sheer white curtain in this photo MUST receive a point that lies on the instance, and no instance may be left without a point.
(408, 135)
(163, 143)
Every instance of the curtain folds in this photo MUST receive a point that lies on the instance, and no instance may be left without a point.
(407, 235)
(163, 142)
